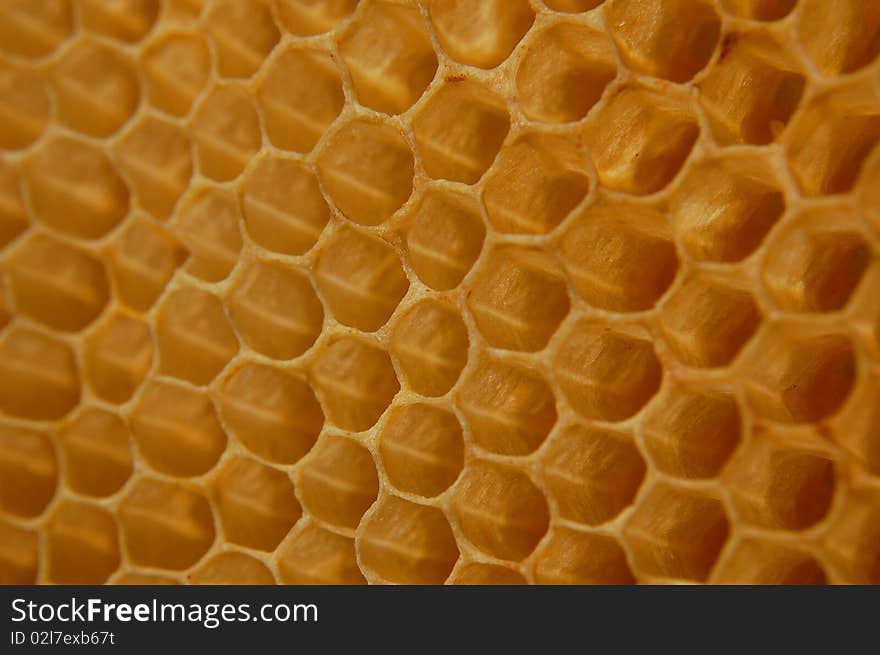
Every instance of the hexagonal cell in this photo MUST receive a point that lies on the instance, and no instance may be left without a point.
(535, 183)
(839, 39)
(243, 34)
(518, 298)
(117, 356)
(579, 558)
(29, 468)
(607, 373)
(592, 474)
(97, 454)
(24, 107)
(564, 73)
(176, 429)
(300, 95)
(480, 32)
(207, 224)
(407, 543)
(337, 482)
(275, 309)
(226, 129)
(306, 17)
(393, 77)
(477, 573)
(19, 555)
(128, 21)
(13, 213)
(508, 408)
(75, 189)
(422, 449)
(35, 29)
(176, 68)
(361, 278)
(38, 375)
(231, 568)
(725, 206)
(460, 130)
(766, 10)
(195, 338)
(355, 381)
(274, 414)
(853, 539)
(620, 256)
(315, 556)
(82, 544)
(165, 525)
(57, 284)
(255, 503)
(759, 562)
(367, 170)
(430, 343)
(676, 533)
(500, 510)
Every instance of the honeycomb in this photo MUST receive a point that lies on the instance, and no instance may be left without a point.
(439, 291)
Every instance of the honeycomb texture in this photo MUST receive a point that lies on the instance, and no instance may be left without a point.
(463, 291)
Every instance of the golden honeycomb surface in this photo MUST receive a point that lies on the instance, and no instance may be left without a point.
(462, 291)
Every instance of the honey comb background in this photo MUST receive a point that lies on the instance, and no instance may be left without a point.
(467, 291)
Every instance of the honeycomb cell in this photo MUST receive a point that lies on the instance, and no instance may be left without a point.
(572, 6)
(226, 129)
(619, 256)
(355, 381)
(118, 354)
(24, 107)
(96, 451)
(676, 533)
(500, 510)
(194, 336)
(607, 373)
(367, 170)
(242, 33)
(422, 449)
(34, 29)
(564, 73)
(337, 482)
(306, 17)
(127, 21)
(231, 568)
(255, 503)
(315, 556)
(274, 414)
(842, 38)
(853, 539)
(518, 298)
(300, 95)
(508, 408)
(207, 224)
(176, 67)
(13, 213)
(759, 562)
(592, 474)
(407, 543)
(479, 32)
(275, 310)
(361, 278)
(430, 343)
(579, 558)
(176, 429)
(477, 573)
(28, 471)
(57, 284)
(460, 130)
(166, 525)
(766, 10)
(82, 544)
(390, 78)
(19, 555)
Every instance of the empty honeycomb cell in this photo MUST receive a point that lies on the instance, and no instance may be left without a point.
(128, 21)
(337, 482)
(534, 184)
(75, 189)
(839, 38)
(118, 355)
(407, 543)
(255, 503)
(176, 429)
(460, 130)
(760, 562)
(19, 555)
(392, 77)
(194, 336)
(24, 107)
(39, 378)
(570, 557)
(356, 382)
(422, 449)
(58, 284)
(274, 414)
(13, 214)
(853, 539)
(564, 73)
(175, 68)
(166, 525)
(275, 309)
(231, 568)
(207, 224)
(226, 129)
(477, 573)
(508, 408)
(725, 206)
(82, 544)
(315, 556)
(361, 278)
(518, 298)
(676, 533)
(607, 373)
(242, 33)
(592, 474)
(367, 170)
(34, 29)
(28, 471)
(430, 343)
(766, 10)
(97, 454)
(619, 256)
(479, 32)
(306, 17)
